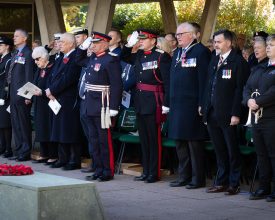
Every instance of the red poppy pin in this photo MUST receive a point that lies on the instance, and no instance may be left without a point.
(66, 60)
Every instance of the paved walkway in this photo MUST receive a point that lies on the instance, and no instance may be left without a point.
(125, 199)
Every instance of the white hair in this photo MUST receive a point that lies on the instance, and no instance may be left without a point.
(189, 28)
(68, 37)
(40, 52)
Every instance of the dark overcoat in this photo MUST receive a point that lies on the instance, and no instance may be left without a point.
(66, 127)
(5, 121)
(187, 84)
(42, 112)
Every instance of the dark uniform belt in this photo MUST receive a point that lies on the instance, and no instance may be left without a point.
(158, 91)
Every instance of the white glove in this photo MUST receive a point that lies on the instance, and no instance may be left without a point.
(133, 39)
(113, 113)
(165, 110)
(85, 45)
(2, 102)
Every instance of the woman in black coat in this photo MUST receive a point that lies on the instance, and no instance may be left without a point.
(262, 82)
(5, 122)
(42, 112)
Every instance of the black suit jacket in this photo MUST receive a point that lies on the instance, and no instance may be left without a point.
(227, 95)
(21, 74)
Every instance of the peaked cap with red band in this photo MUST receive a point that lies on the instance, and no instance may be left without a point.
(146, 33)
(96, 36)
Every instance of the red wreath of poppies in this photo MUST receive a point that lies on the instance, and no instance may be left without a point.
(16, 170)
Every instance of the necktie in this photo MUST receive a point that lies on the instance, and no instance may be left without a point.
(11, 66)
(220, 61)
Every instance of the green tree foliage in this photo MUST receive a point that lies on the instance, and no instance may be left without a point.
(129, 17)
(74, 16)
(246, 16)
(241, 16)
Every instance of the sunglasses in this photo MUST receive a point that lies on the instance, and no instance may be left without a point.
(37, 59)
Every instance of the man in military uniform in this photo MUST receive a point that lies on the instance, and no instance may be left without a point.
(114, 45)
(103, 90)
(151, 97)
(188, 75)
(81, 34)
(222, 112)
(6, 45)
(21, 72)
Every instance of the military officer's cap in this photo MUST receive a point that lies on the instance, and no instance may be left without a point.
(96, 36)
(80, 30)
(6, 40)
(260, 34)
(146, 33)
(57, 36)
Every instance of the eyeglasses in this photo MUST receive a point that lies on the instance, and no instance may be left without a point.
(180, 34)
(37, 59)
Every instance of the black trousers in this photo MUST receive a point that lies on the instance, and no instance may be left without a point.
(191, 161)
(49, 149)
(98, 138)
(225, 141)
(69, 153)
(5, 139)
(21, 129)
(84, 124)
(264, 141)
(148, 134)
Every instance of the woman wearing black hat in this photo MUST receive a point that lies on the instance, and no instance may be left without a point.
(5, 122)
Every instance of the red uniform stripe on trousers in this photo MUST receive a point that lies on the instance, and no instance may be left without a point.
(159, 150)
(111, 152)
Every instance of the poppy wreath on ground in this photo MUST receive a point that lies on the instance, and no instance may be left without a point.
(16, 170)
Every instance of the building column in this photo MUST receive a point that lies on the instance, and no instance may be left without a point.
(50, 19)
(208, 19)
(95, 19)
(169, 16)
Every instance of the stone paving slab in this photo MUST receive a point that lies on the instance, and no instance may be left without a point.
(125, 199)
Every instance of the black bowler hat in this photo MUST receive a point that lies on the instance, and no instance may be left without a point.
(96, 36)
(80, 30)
(146, 33)
(260, 34)
(6, 40)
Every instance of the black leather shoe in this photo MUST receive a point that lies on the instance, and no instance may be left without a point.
(193, 186)
(143, 177)
(93, 177)
(271, 198)
(232, 191)
(58, 165)
(104, 178)
(71, 167)
(7, 154)
(259, 194)
(151, 179)
(51, 162)
(178, 183)
(40, 160)
(21, 159)
(13, 158)
(88, 170)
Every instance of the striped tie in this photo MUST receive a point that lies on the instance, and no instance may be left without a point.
(220, 61)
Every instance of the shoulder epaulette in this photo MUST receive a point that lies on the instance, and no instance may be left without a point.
(159, 50)
(113, 54)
